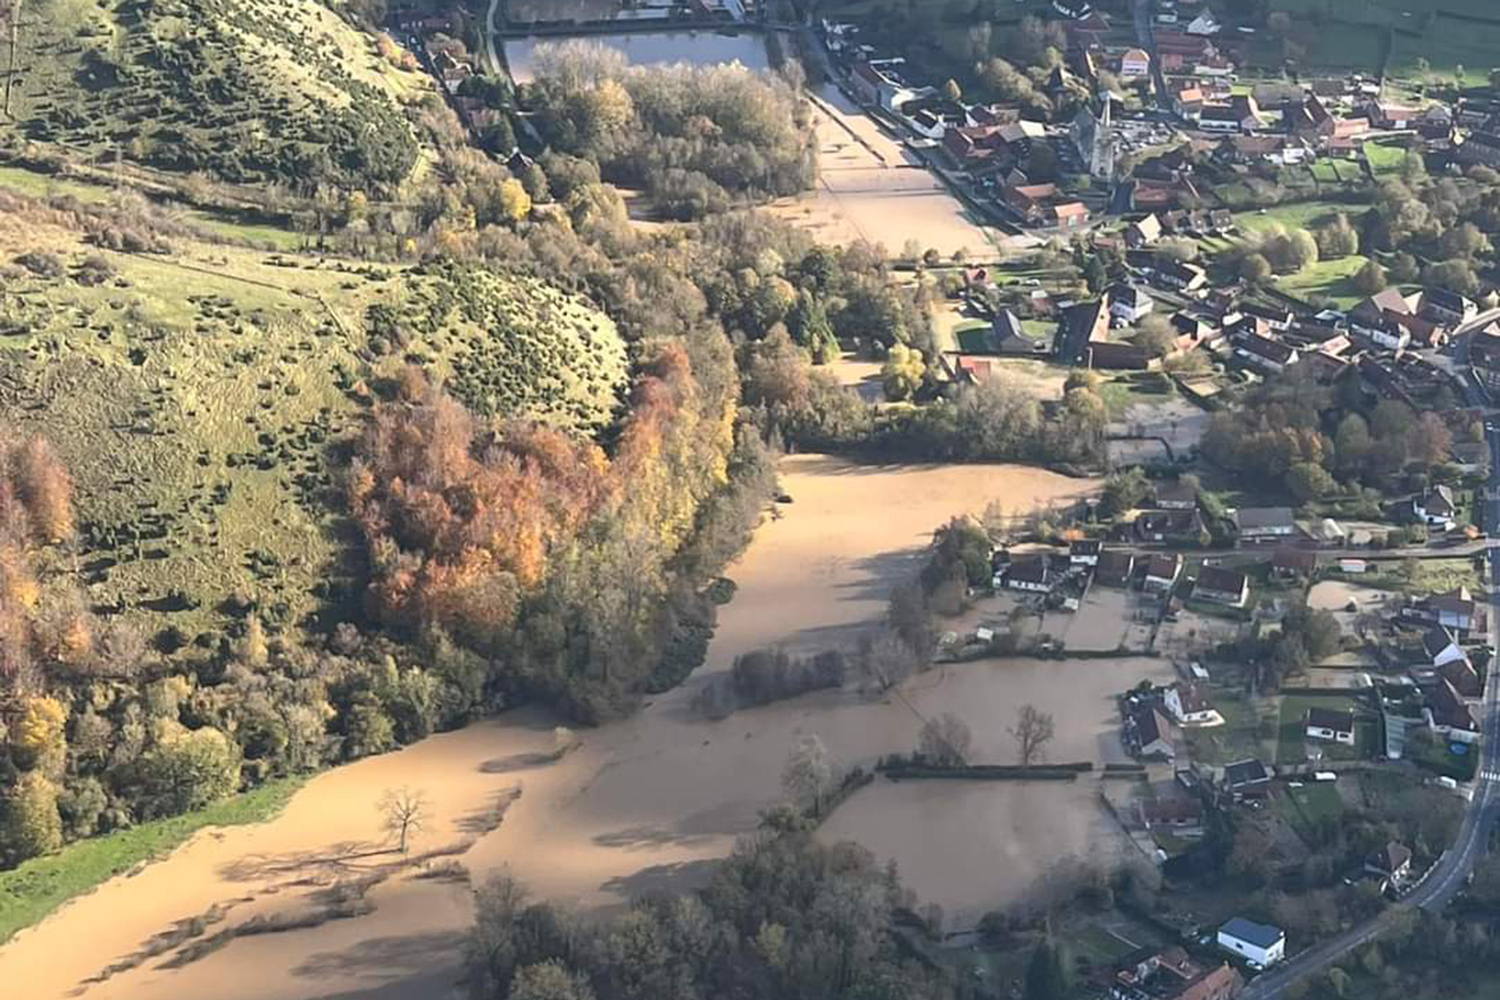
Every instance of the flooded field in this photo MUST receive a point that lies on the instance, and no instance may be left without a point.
(872, 188)
(646, 803)
(699, 48)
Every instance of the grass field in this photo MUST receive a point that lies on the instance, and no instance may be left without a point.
(40, 185)
(1236, 739)
(1384, 160)
(1098, 945)
(1437, 575)
(36, 888)
(1308, 808)
(1297, 214)
(1327, 279)
(200, 400)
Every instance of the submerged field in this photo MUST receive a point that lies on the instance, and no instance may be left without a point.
(871, 188)
(647, 803)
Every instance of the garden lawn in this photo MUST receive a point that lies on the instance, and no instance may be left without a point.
(1291, 735)
(1309, 807)
(1327, 279)
(36, 888)
(1384, 160)
(1098, 945)
(1235, 740)
(1433, 576)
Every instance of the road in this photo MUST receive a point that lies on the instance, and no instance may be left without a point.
(1451, 872)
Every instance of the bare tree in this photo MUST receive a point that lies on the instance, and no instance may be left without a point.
(945, 740)
(1033, 731)
(405, 811)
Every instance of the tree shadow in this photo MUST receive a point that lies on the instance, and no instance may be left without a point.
(334, 859)
(680, 877)
(488, 818)
(517, 762)
(384, 958)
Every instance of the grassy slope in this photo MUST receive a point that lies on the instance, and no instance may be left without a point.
(36, 888)
(247, 89)
(197, 399)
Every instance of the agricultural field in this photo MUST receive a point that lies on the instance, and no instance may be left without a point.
(250, 91)
(201, 399)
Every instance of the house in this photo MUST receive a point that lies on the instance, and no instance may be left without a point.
(1188, 100)
(1268, 354)
(1144, 232)
(1447, 711)
(1220, 118)
(1082, 324)
(1441, 647)
(1386, 115)
(1085, 552)
(1293, 564)
(1484, 355)
(1261, 524)
(1247, 112)
(1195, 331)
(1032, 575)
(965, 369)
(1447, 308)
(1391, 863)
(1128, 303)
(1030, 201)
(1007, 337)
(1247, 777)
(1327, 724)
(1190, 706)
(1173, 526)
(1311, 120)
(1154, 734)
(1179, 51)
(1435, 507)
(1261, 944)
(1135, 63)
(1277, 319)
(1162, 572)
(1462, 675)
(879, 81)
(1169, 974)
(1180, 275)
(1479, 149)
(1115, 568)
(1176, 495)
(1068, 214)
(1222, 586)
(1453, 609)
(1178, 814)
(1111, 356)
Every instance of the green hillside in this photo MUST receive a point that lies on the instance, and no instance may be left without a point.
(202, 400)
(250, 91)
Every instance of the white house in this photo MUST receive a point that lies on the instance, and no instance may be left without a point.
(1189, 706)
(1127, 303)
(1435, 507)
(1262, 944)
(1085, 552)
(1162, 572)
(1327, 724)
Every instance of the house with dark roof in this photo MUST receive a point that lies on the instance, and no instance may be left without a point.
(1264, 524)
(1479, 149)
(1435, 507)
(1169, 974)
(1032, 575)
(1085, 552)
(1390, 864)
(1266, 353)
(1178, 814)
(1128, 303)
(1181, 527)
(1153, 734)
(1464, 678)
(1115, 568)
(1176, 495)
(1162, 571)
(1119, 356)
(1447, 710)
(1082, 325)
(1180, 275)
(1440, 646)
(1008, 337)
(1331, 725)
(1246, 777)
(1445, 307)
(1222, 586)
(1453, 609)
(1294, 564)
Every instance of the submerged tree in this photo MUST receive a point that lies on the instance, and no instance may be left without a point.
(1033, 730)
